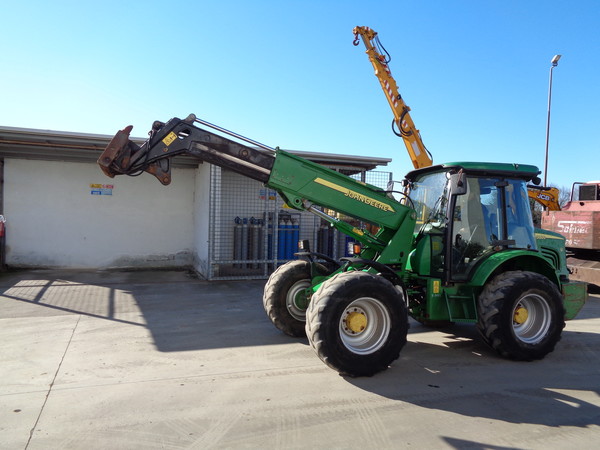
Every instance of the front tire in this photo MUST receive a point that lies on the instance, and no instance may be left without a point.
(357, 323)
(521, 315)
(284, 297)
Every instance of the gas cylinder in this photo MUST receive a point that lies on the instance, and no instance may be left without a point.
(281, 233)
(295, 236)
(237, 241)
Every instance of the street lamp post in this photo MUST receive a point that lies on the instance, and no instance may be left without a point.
(554, 64)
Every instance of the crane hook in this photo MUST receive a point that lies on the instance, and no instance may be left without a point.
(355, 42)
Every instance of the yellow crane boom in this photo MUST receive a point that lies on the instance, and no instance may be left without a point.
(419, 155)
(403, 122)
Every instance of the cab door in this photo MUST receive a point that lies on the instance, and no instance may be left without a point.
(492, 215)
(476, 220)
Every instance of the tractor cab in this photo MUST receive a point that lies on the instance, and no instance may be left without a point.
(466, 212)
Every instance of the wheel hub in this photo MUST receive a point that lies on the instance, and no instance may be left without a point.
(356, 321)
(521, 315)
(300, 300)
(297, 301)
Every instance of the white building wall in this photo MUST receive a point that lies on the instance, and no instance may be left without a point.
(53, 220)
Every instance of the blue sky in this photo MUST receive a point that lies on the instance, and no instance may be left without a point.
(285, 73)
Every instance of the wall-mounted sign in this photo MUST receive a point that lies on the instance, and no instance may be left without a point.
(101, 189)
(263, 193)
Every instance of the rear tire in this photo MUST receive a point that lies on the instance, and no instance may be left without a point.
(284, 300)
(521, 315)
(357, 323)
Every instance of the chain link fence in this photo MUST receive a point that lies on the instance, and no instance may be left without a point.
(252, 232)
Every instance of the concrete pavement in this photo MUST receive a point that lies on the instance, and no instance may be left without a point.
(144, 360)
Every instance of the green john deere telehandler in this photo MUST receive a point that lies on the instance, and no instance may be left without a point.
(457, 245)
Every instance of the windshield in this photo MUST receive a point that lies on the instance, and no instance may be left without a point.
(429, 198)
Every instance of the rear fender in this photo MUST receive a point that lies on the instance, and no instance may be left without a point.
(514, 260)
(574, 293)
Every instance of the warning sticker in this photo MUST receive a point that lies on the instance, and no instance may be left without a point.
(169, 138)
(101, 189)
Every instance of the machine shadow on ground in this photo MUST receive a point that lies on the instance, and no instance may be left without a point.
(181, 312)
(458, 373)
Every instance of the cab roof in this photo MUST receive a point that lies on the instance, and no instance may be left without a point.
(509, 170)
